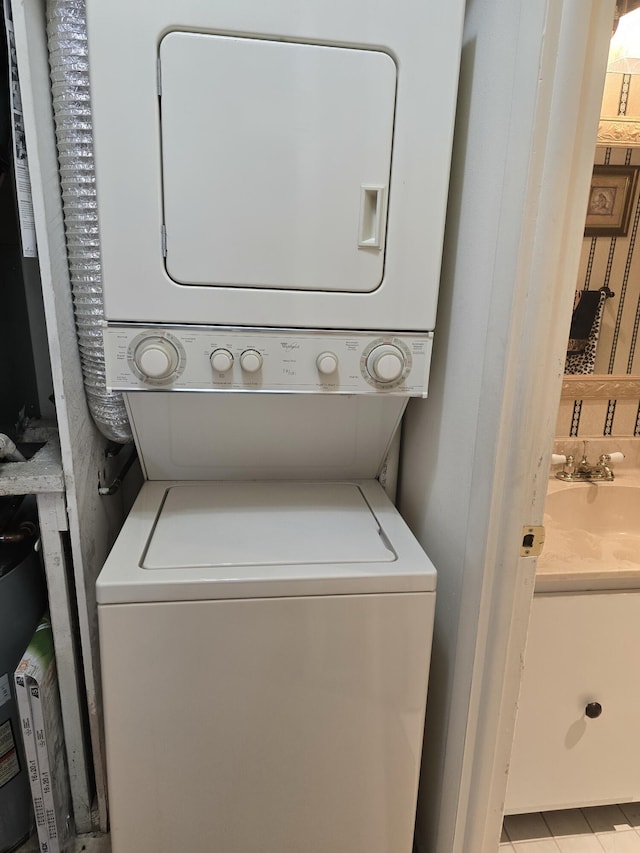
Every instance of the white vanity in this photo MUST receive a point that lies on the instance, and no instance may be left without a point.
(576, 741)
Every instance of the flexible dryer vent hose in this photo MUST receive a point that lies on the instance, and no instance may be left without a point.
(69, 65)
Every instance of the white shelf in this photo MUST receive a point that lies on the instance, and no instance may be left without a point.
(42, 476)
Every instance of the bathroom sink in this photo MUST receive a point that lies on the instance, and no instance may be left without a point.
(593, 522)
(596, 506)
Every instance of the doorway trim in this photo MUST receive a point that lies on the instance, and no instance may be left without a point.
(478, 450)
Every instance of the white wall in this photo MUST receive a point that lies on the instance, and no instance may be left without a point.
(450, 439)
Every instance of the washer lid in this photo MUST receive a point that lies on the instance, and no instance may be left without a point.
(188, 541)
(264, 524)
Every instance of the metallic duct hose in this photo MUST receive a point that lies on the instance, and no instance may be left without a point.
(69, 64)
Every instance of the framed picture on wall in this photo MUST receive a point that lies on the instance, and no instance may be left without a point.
(610, 200)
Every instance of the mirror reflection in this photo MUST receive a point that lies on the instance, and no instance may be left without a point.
(606, 320)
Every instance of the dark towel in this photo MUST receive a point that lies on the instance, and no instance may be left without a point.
(584, 315)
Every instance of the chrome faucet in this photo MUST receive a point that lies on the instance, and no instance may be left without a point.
(585, 471)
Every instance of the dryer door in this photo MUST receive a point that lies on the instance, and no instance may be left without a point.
(275, 162)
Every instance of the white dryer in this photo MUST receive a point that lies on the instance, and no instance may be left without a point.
(265, 650)
(279, 164)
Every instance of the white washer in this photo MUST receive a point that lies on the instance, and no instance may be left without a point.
(265, 652)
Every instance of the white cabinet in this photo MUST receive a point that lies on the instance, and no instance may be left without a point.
(576, 740)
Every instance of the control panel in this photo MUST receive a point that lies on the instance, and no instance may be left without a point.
(222, 358)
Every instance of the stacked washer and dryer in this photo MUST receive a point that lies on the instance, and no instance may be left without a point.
(271, 182)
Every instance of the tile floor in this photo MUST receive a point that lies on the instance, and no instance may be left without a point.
(612, 829)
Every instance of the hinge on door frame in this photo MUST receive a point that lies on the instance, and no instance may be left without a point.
(532, 540)
(163, 240)
(159, 77)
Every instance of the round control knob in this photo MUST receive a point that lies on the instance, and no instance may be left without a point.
(593, 710)
(327, 362)
(385, 363)
(251, 360)
(221, 360)
(156, 358)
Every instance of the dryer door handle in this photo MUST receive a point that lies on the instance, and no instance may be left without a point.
(371, 216)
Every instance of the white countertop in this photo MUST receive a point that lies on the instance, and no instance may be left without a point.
(580, 558)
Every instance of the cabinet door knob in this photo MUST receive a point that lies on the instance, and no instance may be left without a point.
(593, 710)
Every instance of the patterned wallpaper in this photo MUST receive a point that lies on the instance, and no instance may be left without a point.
(613, 262)
(593, 418)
